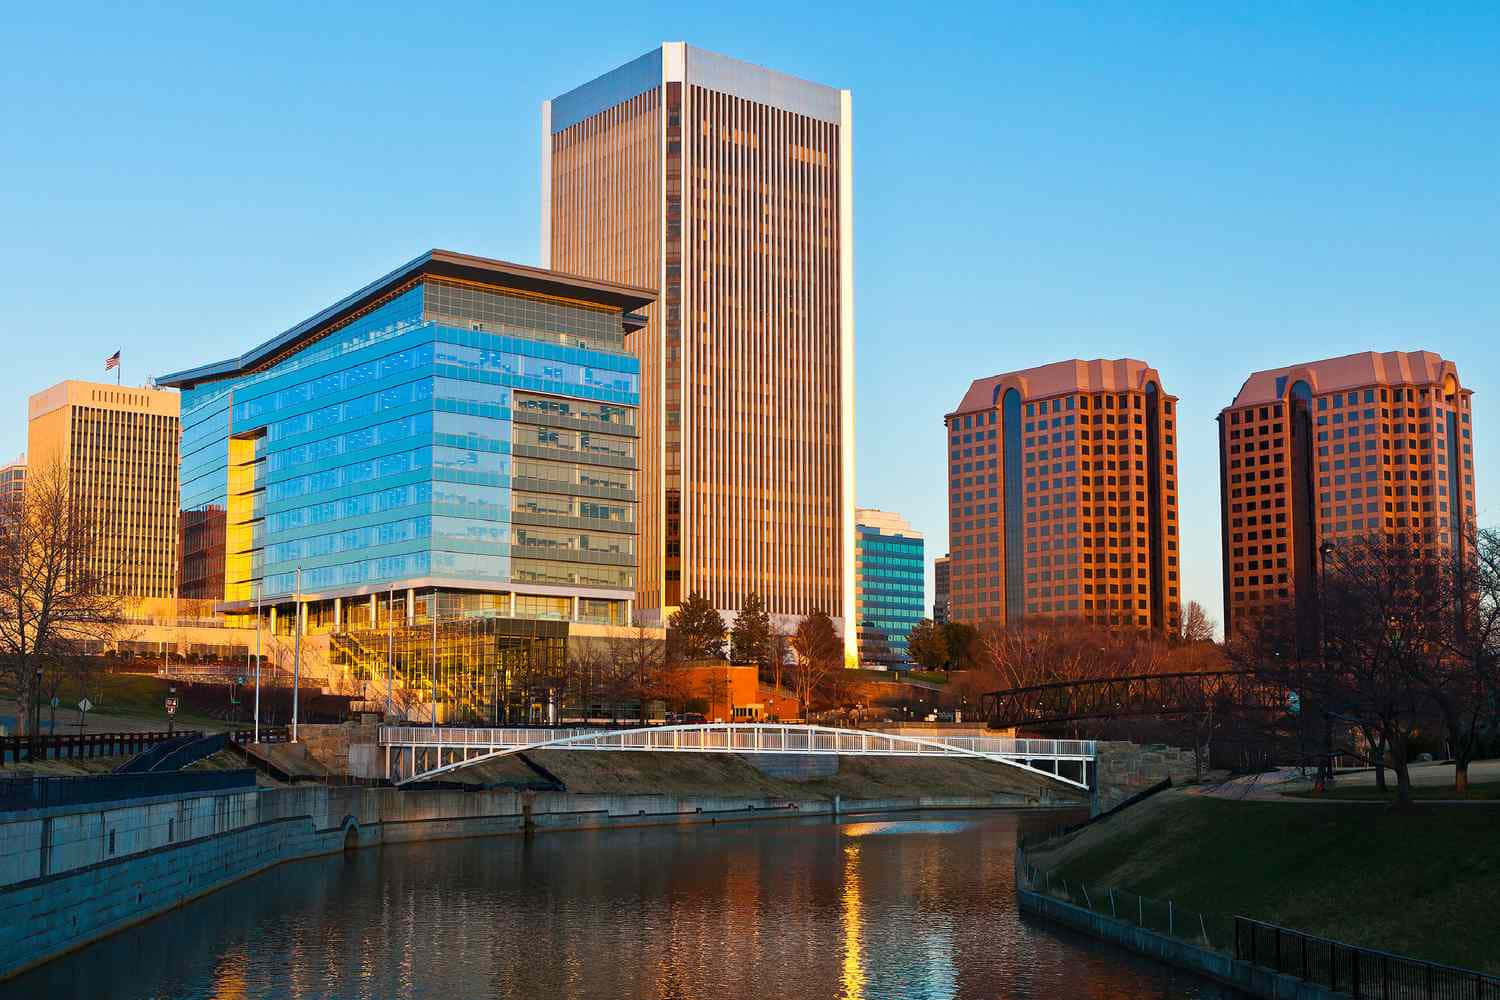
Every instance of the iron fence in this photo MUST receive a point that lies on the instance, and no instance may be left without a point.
(1359, 972)
(1163, 916)
(65, 746)
(39, 793)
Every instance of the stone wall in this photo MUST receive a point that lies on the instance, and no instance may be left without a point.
(1126, 768)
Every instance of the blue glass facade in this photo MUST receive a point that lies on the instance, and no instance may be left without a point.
(889, 587)
(383, 452)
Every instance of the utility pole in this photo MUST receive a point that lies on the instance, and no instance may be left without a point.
(259, 588)
(296, 649)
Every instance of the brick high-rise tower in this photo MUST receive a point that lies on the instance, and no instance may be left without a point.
(1316, 452)
(728, 187)
(1062, 487)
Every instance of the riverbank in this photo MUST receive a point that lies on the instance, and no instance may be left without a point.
(70, 875)
(1419, 883)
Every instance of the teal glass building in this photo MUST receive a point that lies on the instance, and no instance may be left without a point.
(889, 586)
(461, 429)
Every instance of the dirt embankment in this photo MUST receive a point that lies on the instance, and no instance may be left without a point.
(684, 774)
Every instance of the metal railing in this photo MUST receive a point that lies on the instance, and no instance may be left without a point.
(1359, 972)
(39, 793)
(445, 749)
(746, 737)
(69, 746)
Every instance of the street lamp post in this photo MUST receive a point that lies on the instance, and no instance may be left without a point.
(390, 646)
(1325, 770)
(296, 649)
(259, 587)
(36, 714)
(434, 656)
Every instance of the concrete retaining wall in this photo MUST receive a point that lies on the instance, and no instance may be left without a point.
(793, 766)
(1214, 965)
(55, 899)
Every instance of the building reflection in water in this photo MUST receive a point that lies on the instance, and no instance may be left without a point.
(854, 963)
(920, 908)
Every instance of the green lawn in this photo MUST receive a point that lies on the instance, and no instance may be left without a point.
(930, 676)
(140, 695)
(1421, 882)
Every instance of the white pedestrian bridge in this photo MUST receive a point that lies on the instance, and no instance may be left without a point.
(422, 753)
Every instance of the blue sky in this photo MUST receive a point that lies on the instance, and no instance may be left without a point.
(1212, 188)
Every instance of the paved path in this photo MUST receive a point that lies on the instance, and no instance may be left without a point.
(1274, 785)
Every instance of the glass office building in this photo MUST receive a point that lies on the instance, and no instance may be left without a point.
(461, 430)
(888, 571)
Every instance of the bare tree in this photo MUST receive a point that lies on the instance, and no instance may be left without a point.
(818, 651)
(57, 593)
(588, 672)
(639, 658)
(1465, 683)
(1196, 625)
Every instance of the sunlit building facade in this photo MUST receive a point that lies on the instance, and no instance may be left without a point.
(117, 445)
(459, 437)
(727, 186)
(1318, 453)
(1062, 497)
(890, 585)
(13, 481)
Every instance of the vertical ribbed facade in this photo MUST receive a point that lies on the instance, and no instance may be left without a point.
(734, 182)
(1315, 454)
(1062, 496)
(607, 214)
(118, 446)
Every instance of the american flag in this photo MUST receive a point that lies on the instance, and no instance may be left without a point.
(113, 361)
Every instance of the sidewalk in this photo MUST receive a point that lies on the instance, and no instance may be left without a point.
(1277, 786)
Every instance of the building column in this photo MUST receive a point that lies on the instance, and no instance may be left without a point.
(338, 612)
(411, 606)
(629, 610)
(374, 612)
(574, 616)
(512, 603)
(273, 620)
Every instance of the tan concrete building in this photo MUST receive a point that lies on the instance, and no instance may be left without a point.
(1315, 453)
(728, 187)
(1062, 491)
(118, 445)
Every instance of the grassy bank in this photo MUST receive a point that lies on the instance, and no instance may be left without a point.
(1421, 882)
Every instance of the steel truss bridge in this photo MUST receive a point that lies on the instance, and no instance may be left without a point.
(1119, 697)
(422, 753)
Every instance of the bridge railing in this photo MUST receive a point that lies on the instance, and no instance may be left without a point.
(748, 737)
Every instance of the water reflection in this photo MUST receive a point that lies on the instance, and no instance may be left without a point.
(920, 908)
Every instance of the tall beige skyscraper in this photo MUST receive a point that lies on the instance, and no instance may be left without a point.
(118, 445)
(727, 187)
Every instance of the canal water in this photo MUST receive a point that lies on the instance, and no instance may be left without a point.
(918, 906)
